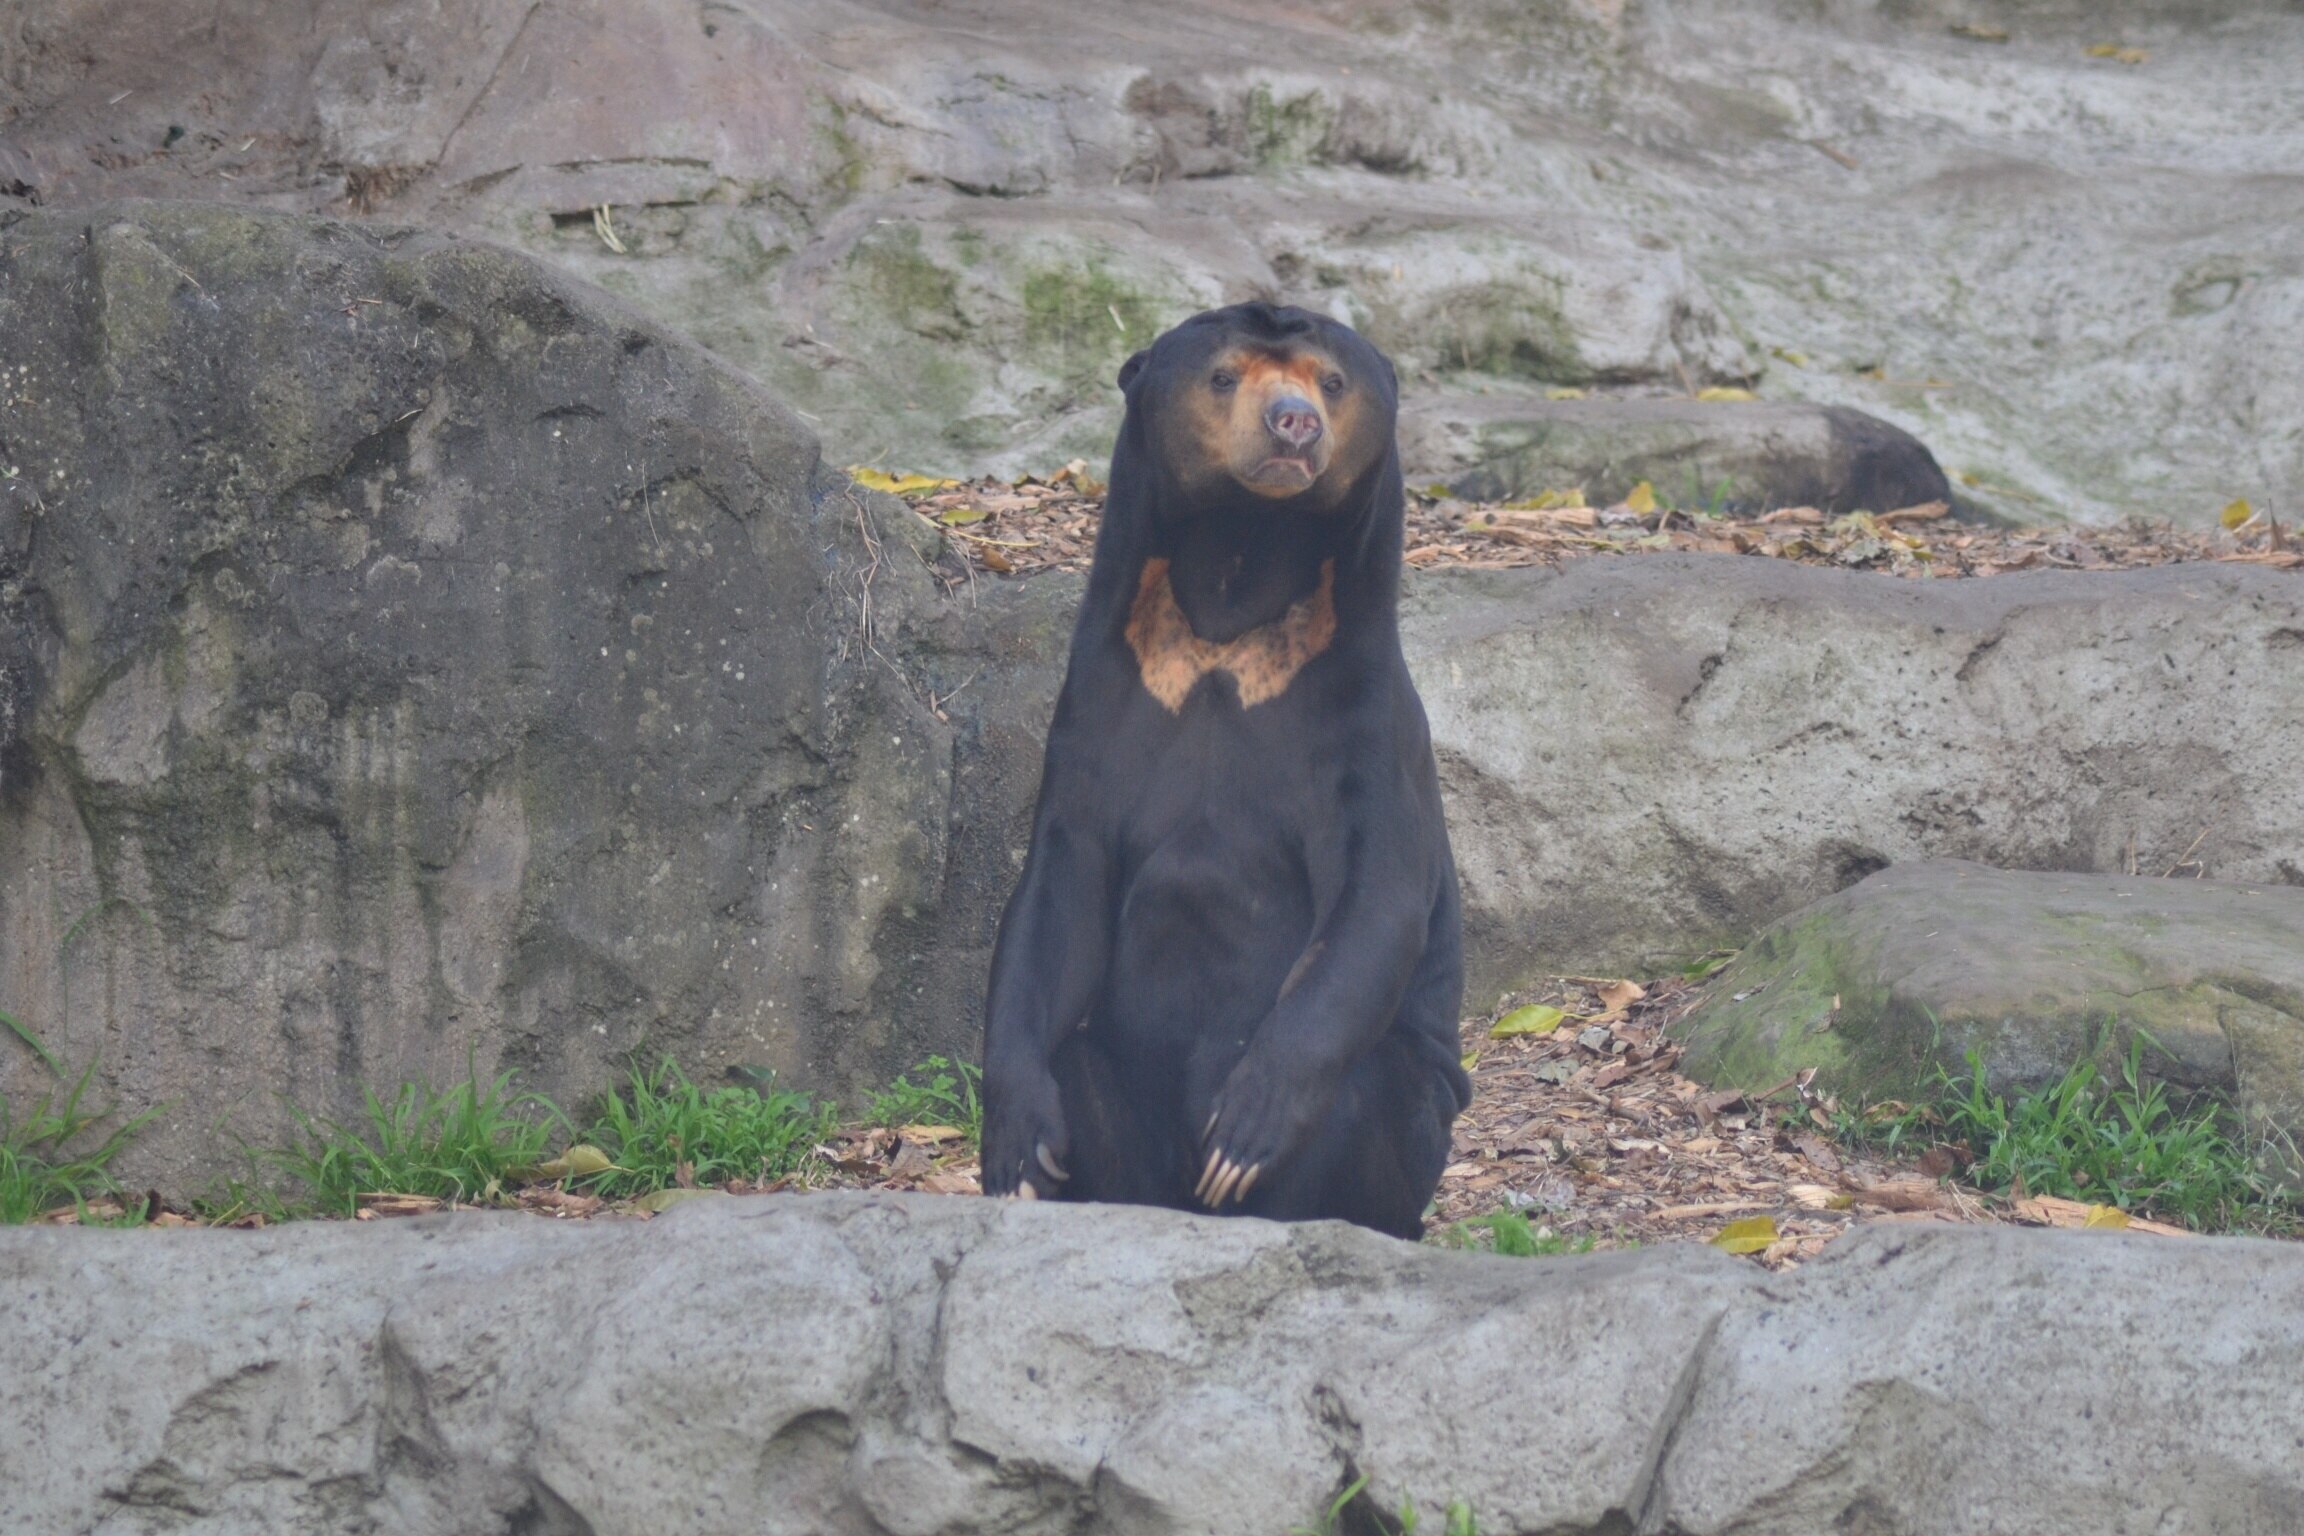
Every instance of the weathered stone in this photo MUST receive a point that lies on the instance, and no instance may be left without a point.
(1741, 456)
(2055, 268)
(1900, 977)
(1647, 757)
(413, 655)
(914, 1365)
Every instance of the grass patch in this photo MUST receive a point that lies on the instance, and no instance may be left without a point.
(1511, 1234)
(662, 1130)
(946, 1095)
(40, 1168)
(2124, 1144)
(467, 1143)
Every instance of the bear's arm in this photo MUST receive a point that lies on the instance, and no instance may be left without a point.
(1046, 965)
(1347, 990)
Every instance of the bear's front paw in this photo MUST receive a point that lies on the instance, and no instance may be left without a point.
(1024, 1140)
(1260, 1118)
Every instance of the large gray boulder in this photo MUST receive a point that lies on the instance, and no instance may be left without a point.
(915, 1366)
(1886, 984)
(937, 231)
(408, 653)
(1647, 757)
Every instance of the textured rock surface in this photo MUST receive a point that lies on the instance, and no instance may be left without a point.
(937, 227)
(1644, 757)
(889, 1364)
(406, 648)
(1908, 971)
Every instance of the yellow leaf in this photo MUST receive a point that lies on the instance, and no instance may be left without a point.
(2115, 51)
(1535, 1019)
(1546, 501)
(2237, 514)
(662, 1200)
(898, 485)
(960, 516)
(1564, 394)
(579, 1161)
(1796, 359)
(2108, 1217)
(1469, 1060)
(928, 1133)
(1641, 498)
(1750, 1235)
(1723, 392)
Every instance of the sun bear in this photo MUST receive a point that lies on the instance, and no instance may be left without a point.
(1230, 975)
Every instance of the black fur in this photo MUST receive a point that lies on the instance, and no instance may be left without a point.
(1186, 867)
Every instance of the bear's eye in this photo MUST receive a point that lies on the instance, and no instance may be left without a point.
(1333, 384)
(1223, 380)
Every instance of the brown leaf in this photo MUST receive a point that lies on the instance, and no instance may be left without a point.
(1815, 1149)
(1621, 994)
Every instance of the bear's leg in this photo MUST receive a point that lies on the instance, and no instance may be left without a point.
(1377, 1156)
(1126, 1145)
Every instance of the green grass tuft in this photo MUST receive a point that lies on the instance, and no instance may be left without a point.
(2124, 1144)
(1511, 1234)
(660, 1120)
(947, 1096)
(39, 1168)
(465, 1143)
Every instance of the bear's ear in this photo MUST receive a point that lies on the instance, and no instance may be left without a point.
(1131, 368)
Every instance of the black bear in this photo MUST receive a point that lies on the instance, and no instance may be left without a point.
(1229, 977)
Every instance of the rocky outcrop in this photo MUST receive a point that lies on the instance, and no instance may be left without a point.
(939, 229)
(412, 653)
(410, 657)
(914, 1366)
(1900, 977)
(1646, 757)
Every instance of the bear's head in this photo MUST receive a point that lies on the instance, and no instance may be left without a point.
(1284, 404)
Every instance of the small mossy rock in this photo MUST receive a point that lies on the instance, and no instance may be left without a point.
(1902, 975)
(1746, 455)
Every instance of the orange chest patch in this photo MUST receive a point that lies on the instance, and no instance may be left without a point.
(1262, 662)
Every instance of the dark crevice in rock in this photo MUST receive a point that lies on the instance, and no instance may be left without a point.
(1651, 1487)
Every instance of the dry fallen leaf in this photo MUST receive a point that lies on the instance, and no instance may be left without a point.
(1535, 1019)
(897, 485)
(1621, 994)
(1750, 1235)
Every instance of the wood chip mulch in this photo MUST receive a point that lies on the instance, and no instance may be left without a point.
(1024, 526)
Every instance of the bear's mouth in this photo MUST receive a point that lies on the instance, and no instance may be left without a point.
(1289, 471)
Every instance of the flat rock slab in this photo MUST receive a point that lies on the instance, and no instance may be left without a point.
(1740, 454)
(900, 1364)
(1906, 972)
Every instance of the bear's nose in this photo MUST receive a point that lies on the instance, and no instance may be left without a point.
(1294, 420)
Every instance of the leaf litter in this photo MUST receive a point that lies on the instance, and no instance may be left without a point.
(1031, 524)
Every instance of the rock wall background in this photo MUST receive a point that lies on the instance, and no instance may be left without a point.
(936, 227)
